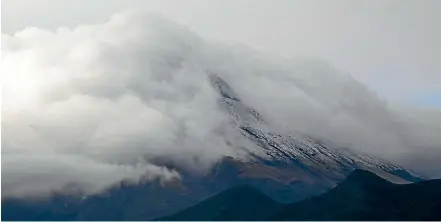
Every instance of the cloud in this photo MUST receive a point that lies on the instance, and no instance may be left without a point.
(107, 100)
(115, 93)
(69, 173)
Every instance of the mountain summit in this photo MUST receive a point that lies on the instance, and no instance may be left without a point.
(315, 158)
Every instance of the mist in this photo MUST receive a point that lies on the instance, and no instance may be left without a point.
(104, 101)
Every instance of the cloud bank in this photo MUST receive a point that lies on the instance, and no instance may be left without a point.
(101, 103)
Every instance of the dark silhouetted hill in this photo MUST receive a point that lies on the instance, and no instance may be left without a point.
(238, 203)
(362, 196)
(365, 196)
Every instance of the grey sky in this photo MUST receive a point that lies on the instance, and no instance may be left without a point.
(392, 45)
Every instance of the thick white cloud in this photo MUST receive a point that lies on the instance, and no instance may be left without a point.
(37, 175)
(115, 93)
(107, 100)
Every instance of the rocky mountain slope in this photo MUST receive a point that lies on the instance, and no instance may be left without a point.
(315, 158)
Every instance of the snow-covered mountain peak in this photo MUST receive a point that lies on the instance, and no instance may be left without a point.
(230, 101)
(323, 160)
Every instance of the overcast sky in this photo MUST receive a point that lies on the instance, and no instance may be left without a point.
(394, 46)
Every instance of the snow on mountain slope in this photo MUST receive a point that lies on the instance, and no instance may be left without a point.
(316, 157)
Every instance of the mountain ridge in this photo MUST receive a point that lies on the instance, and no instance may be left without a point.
(367, 196)
(362, 196)
(301, 150)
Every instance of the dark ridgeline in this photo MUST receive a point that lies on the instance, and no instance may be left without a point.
(365, 196)
(362, 196)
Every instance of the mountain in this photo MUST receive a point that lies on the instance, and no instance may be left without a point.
(366, 196)
(362, 196)
(286, 167)
(312, 158)
(237, 203)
